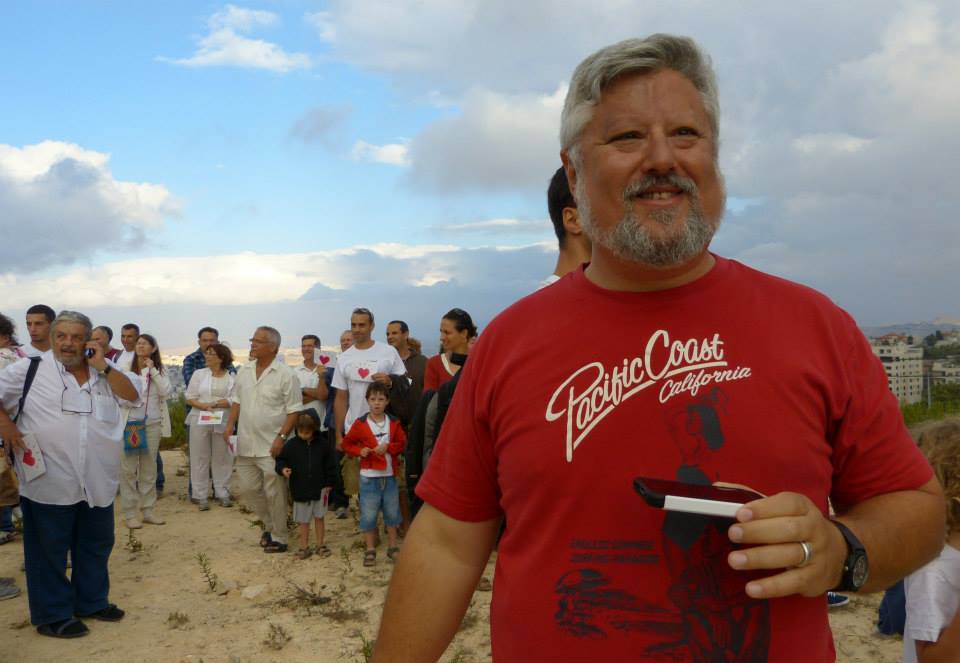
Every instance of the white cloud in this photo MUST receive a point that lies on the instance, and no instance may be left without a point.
(497, 226)
(394, 154)
(225, 47)
(497, 142)
(62, 204)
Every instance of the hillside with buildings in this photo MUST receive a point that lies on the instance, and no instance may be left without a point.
(920, 369)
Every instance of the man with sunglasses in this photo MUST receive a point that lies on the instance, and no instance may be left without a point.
(67, 441)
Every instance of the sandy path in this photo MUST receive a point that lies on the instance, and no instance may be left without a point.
(165, 578)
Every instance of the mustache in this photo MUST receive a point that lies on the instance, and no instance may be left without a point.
(641, 186)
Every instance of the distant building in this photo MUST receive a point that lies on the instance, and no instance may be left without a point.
(945, 372)
(903, 364)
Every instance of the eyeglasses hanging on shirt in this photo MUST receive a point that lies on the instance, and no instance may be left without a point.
(75, 401)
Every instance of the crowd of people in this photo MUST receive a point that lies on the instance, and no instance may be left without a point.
(283, 439)
(655, 359)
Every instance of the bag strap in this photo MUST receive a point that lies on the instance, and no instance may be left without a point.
(31, 373)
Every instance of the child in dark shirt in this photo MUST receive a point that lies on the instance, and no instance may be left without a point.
(307, 461)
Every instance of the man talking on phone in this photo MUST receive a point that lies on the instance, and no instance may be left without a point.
(68, 440)
(708, 371)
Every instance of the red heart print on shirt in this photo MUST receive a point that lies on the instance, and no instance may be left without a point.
(28, 458)
(363, 372)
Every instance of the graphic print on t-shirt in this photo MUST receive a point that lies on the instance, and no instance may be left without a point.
(706, 616)
(675, 367)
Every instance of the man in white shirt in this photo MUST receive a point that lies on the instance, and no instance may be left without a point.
(128, 339)
(67, 440)
(39, 317)
(365, 361)
(265, 401)
(312, 378)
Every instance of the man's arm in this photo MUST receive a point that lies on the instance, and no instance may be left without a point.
(285, 429)
(901, 531)
(947, 647)
(441, 563)
(340, 415)
(231, 421)
(120, 384)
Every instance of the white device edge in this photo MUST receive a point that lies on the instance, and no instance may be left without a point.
(703, 507)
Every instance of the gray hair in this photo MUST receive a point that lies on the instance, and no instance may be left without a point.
(73, 316)
(635, 56)
(273, 334)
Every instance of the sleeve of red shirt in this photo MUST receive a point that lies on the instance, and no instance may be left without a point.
(430, 377)
(872, 451)
(461, 479)
(353, 440)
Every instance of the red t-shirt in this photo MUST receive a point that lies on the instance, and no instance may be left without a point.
(575, 390)
(436, 374)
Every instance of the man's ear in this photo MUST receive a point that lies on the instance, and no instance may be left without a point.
(571, 221)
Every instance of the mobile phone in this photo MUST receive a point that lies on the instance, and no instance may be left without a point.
(89, 352)
(693, 498)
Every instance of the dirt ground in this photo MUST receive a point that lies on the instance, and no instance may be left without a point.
(254, 613)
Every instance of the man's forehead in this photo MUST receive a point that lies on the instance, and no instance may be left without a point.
(70, 329)
(308, 341)
(36, 317)
(635, 97)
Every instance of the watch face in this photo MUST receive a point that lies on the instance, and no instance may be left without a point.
(859, 572)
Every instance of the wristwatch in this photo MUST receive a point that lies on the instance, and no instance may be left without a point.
(855, 566)
(106, 371)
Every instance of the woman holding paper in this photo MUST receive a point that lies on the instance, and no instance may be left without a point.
(207, 394)
(138, 468)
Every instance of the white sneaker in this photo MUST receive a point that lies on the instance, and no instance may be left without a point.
(134, 523)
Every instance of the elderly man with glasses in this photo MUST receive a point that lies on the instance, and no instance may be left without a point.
(265, 402)
(67, 441)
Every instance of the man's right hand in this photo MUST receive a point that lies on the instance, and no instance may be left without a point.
(226, 435)
(11, 436)
(339, 442)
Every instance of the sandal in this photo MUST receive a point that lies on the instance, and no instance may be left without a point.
(392, 554)
(322, 550)
(265, 539)
(369, 557)
(65, 628)
(303, 553)
(275, 547)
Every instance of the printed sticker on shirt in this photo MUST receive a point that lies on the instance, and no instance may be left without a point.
(365, 369)
(30, 458)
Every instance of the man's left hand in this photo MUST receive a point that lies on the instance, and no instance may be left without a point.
(774, 527)
(277, 446)
(383, 378)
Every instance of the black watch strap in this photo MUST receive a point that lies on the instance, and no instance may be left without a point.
(856, 567)
(106, 371)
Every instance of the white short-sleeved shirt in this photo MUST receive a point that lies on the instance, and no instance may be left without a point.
(81, 451)
(309, 379)
(31, 351)
(264, 405)
(933, 596)
(125, 359)
(355, 371)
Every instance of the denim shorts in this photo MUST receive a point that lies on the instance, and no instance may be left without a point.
(378, 493)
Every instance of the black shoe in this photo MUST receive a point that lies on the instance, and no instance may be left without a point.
(65, 628)
(275, 547)
(109, 614)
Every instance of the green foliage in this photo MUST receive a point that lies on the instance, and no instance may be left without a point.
(178, 429)
(943, 352)
(944, 402)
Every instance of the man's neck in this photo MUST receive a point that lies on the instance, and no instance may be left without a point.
(613, 273)
(42, 347)
(403, 350)
(309, 364)
(81, 372)
(571, 257)
(264, 362)
(365, 345)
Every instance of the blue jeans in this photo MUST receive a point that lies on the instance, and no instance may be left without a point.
(378, 493)
(49, 531)
(6, 518)
(160, 478)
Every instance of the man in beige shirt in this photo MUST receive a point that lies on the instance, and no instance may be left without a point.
(265, 400)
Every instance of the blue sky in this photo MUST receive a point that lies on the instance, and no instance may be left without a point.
(174, 164)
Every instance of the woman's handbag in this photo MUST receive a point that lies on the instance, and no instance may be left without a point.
(135, 436)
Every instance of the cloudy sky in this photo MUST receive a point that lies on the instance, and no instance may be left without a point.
(283, 161)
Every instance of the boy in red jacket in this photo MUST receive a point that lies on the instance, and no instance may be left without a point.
(378, 440)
